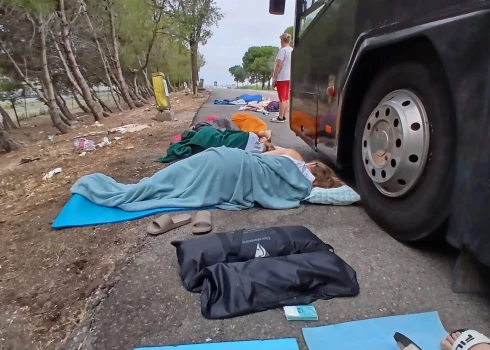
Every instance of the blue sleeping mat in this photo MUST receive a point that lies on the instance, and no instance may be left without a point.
(79, 211)
(423, 329)
(276, 344)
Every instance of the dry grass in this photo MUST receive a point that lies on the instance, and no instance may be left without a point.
(47, 277)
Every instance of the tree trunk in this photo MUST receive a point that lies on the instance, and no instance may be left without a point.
(80, 105)
(117, 63)
(104, 106)
(137, 102)
(70, 77)
(6, 141)
(103, 57)
(171, 88)
(148, 83)
(64, 110)
(194, 65)
(48, 90)
(8, 124)
(16, 114)
(72, 63)
(136, 89)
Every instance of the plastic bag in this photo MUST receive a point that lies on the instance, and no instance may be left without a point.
(83, 144)
(196, 254)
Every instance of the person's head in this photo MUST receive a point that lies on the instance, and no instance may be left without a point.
(324, 176)
(285, 39)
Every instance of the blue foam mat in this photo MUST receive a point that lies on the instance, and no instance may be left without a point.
(424, 329)
(79, 211)
(275, 344)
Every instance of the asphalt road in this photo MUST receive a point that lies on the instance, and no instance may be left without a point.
(149, 307)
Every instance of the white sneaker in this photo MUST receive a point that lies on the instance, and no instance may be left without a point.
(277, 120)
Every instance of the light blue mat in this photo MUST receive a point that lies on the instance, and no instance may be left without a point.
(276, 344)
(79, 211)
(424, 329)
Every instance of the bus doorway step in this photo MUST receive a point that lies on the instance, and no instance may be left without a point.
(469, 276)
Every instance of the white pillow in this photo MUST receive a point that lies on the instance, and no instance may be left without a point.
(335, 196)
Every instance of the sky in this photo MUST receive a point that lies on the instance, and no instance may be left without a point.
(246, 23)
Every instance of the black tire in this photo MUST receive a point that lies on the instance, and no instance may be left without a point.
(420, 213)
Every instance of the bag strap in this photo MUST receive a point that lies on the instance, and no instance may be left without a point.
(286, 239)
(232, 247)
(468, 339)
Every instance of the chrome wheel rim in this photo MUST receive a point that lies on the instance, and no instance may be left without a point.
(395, 143)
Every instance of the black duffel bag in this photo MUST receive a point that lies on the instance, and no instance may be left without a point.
(242, 245)
(241, 288)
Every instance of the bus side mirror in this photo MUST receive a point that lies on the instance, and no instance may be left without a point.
(276, 7)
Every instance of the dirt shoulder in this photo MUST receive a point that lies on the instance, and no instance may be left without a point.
(49, 278)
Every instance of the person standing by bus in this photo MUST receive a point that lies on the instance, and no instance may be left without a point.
(282, 76)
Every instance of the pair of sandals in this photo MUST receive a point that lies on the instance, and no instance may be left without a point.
(465, 341)
(202, 223)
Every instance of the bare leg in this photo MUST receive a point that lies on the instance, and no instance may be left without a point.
(282, 109)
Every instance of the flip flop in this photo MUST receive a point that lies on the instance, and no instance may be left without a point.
(405, 343)
(468, 339)
(202, 222)
(166, 223)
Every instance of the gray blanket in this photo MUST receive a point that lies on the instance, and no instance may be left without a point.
(228, 178)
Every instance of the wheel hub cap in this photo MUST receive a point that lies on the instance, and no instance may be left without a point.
(396, 143)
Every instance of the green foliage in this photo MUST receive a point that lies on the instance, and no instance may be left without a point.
(258, 62)
(33, 6)
(195, 18)
(290, 31)
(238, 74)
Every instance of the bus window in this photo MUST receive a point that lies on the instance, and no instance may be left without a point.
(308, 11)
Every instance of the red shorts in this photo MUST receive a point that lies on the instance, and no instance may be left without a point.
(283, 90)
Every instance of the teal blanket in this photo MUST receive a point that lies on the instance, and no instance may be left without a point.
(228, 178)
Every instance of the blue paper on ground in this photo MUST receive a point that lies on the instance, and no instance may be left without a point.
(79, 211)
(424, 329)
(275, 344)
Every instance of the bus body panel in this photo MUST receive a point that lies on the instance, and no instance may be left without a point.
(460, 32)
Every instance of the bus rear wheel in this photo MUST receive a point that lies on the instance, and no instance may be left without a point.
(404, 151)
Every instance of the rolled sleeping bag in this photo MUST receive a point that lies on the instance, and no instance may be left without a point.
(240, 288)
(241, 245)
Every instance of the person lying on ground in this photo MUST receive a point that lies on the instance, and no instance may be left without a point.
(228, 178)
(217, 123)
(193, 142)
(317, 172)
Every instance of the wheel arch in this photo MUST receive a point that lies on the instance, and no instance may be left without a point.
(370, 62)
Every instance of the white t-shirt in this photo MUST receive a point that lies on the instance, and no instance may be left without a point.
(284, 55)
(301, 167)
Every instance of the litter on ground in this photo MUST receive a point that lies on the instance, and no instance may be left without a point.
(83, 144)
(105, 142)
(129, 128)
(52, 173)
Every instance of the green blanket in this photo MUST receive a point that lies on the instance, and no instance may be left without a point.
(207, 137)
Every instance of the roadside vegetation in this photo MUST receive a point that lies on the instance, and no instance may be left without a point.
(58, 49)
(257, 67)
